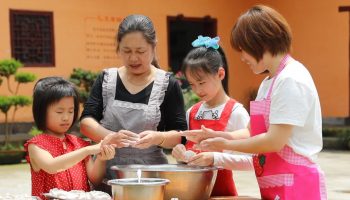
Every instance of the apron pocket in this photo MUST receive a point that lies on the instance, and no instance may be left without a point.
(276, 187)
(276, 180)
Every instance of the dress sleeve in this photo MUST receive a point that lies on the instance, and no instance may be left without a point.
(26, 150)
(38, 141)
(233, 162)
(93, 107)
(172, 109)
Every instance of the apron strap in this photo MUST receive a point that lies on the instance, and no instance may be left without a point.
(281, 66)
(227, 111)
(109, 85)
(160, 86)
(193, 113)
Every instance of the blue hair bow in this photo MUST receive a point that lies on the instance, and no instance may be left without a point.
(207, 42)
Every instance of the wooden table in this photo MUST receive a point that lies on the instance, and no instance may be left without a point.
(233, 198)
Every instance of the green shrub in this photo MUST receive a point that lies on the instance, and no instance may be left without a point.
(8, 68)
(190, 98)
(84, 80)
(24, 77)
(342, 133)
(34, 131)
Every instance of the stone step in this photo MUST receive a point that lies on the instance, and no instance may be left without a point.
(18, 137)
(335, 143)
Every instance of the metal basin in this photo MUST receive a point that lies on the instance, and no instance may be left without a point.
(186, 182)
(132, 189)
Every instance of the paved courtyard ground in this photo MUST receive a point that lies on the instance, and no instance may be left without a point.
(15, 179)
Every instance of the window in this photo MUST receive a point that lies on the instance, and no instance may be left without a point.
(32, 39)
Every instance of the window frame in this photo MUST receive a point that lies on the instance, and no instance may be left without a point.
(49, 14)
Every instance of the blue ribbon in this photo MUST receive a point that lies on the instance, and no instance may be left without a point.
(207, 42)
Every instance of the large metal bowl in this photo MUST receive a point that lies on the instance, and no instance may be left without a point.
(186, 182)
(133, 189)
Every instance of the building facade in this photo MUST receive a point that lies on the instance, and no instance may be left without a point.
(81, 34)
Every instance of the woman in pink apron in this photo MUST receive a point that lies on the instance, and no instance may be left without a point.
(286, 121)
(204, 70)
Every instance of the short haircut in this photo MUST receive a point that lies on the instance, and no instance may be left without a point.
(48, 91)
(261, 29)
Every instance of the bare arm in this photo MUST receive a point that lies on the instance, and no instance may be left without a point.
(172, 138)
(41, 159)
(272, 141)
(167, 139)
(234, 135)
(97, 169)
(93, 130)
(204, 133)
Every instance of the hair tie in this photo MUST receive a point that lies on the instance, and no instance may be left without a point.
(207, 42)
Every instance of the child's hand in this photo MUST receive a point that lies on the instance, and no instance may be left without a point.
(213, 144)
(198, 135)
(202, 159)
(179, 153)
(107, 152)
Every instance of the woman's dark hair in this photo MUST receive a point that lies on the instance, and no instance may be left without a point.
(48, 91)
(138, 23)
(261, 29)
(207, 60)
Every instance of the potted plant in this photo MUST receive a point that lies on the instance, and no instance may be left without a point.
(12, 152)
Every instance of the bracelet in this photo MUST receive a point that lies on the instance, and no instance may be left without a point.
(160, 144)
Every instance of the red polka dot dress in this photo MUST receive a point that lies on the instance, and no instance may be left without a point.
(74, 178)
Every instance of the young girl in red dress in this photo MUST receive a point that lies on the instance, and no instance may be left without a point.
(204, 69)
(57, 159)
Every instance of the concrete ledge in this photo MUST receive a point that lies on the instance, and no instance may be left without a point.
(335, 143)
(19, 137)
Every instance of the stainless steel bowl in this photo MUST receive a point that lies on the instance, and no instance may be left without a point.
(186, 182)
(133, 189)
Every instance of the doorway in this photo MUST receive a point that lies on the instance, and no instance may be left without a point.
(181, 32)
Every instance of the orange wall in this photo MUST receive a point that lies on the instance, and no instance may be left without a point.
(321, 42)
(320, 39)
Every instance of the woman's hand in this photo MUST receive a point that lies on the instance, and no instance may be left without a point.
(149, 138)
(198, 135)
(202, 159)
(213, 144)
(122, 138)
(107, 152)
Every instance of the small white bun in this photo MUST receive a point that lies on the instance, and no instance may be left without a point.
(189, 154)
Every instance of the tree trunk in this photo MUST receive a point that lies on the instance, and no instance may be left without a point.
(6, 131)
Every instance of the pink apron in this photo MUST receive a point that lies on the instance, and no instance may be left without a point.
(224, 184)
(284, 174)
